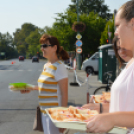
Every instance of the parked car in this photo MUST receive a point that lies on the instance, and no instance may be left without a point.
(21, 58)
(35, 59)
(91, 65)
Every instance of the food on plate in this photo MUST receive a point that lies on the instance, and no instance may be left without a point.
(71, 114)
(20, 86)
(105, 97)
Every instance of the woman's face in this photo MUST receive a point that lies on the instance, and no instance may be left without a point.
(126, 55)
(48, 51)
(125, 32)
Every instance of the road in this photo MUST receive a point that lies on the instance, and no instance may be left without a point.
(17, 111)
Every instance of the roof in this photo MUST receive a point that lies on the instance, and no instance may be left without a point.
(105, 46)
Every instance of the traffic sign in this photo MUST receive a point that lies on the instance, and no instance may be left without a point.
(78, 36)
(78, 43)
(79, 50)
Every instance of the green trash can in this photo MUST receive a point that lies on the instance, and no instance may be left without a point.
(107, 62)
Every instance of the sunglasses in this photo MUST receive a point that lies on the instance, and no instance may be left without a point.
(45, 45)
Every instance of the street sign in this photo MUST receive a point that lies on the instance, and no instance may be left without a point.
(78, 43)
(109, 34)
(79, 50)
(78, 36)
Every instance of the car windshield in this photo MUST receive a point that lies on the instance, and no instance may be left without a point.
(96, 56)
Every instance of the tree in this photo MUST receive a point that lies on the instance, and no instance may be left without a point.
(20, 35)
(33, 41)
(62, 29)
(7, 46)
(87, 6)
(91, 36)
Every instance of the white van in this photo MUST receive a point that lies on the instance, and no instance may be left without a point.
(91, 65)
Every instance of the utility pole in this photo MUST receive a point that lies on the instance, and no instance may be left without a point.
(115, 11)
(109, 35)
(117, 63)
(78, 56)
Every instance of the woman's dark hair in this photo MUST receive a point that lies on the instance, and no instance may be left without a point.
(121, 61)
(127, 10)
(54, 41)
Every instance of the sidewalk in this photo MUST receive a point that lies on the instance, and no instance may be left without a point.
(77, 96)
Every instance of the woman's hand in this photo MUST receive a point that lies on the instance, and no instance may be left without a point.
(92, 106)
(100, 123)
(29, 89)
(25, 91)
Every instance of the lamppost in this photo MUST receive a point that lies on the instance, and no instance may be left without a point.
(78, 56)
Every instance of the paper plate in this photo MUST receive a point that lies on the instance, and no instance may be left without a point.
(19, 88)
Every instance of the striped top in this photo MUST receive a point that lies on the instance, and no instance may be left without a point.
(49, 92)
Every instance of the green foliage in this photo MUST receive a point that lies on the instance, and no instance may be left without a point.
(87, 6)
(20, 35)
(7, 46)
(62, 29)
(94, 27)
(33, 41)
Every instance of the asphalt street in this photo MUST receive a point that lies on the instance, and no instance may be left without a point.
(17, 111)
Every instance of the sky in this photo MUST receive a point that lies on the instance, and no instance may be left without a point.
(14, 13)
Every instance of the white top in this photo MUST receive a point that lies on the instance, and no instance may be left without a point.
(49, 91)
(122, 91)
(61, 72)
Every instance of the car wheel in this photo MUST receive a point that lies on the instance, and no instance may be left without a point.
(89, 70)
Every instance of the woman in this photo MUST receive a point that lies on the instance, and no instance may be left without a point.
(53, 81)
(122, 92)
(123, 57)
(121, 54)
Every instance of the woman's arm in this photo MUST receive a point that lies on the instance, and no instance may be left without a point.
(123, 119)
(63, 85)
(35, 88)
(109, 120)
(96, 106)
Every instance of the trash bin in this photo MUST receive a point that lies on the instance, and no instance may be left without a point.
(107, 62)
